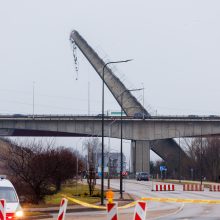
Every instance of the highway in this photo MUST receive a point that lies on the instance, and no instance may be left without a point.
(158, 210)
(99, 117)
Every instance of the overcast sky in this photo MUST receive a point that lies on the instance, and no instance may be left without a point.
(174, 44)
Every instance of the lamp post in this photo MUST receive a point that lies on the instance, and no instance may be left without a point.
(121, 151)
(109, 167)
(103, 86)
(33, 97)
(201, 164)
(179, 159)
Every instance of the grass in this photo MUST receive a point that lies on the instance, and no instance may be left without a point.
(79, 191)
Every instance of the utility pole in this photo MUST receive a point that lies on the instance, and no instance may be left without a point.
(33, 97)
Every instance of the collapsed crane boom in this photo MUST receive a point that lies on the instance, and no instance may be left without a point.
(167, 149)
(130, 104)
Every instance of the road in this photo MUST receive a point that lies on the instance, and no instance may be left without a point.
(158, 210)
(181, 211)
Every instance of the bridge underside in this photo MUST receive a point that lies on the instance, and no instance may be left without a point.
(37, 133)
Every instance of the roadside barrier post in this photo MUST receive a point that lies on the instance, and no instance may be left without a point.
(214, 188)
(140, 210)
(193, 187)
(112, 208)
(2, 209)
(112, 211)
(163, 187)
(62, 211)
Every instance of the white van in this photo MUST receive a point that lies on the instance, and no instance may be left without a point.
(8, 192)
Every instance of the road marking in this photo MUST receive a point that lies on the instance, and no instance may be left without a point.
(174, 213)
(171, 200)
(197, 201)
(85, 204)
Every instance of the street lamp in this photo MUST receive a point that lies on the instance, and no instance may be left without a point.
(201, 162)
(121, 151)
(103, 86)
(109, 168)
(179, 159)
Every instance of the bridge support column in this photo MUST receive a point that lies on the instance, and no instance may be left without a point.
(140, 156)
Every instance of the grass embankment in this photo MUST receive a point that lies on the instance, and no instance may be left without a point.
(79, 191)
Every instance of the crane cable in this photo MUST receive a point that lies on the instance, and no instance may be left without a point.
(76, 64)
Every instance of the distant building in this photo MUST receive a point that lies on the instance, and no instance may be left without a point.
(112, 162)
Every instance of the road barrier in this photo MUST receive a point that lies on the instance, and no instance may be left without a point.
(163, 187)
(214, 188)
(88, 205)
(193, 187)
(112, 211)
(85, 204)
(2, 209)
(62, 211)
(140, 210)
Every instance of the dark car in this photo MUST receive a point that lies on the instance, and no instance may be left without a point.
(143, 176)
(100, 115)
(141, 115)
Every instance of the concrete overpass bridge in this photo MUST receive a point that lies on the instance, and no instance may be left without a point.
(154, 128)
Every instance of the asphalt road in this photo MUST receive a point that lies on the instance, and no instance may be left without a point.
(158, 210)
(180, 211)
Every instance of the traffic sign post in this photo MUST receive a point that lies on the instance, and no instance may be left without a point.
(163, 168)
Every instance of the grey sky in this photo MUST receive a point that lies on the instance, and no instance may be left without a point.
(174, 44)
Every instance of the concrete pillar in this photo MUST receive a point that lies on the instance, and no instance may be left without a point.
(140, 156)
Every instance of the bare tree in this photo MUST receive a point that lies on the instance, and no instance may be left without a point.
(204, 156)
(39, 166)
(29, 164)
(65, 166)
(93, 146)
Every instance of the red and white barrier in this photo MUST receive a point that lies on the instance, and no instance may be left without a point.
(193, 187)
(163, 187)
(140, 210)
(214, 188)
(62, 211)
(2, 209)
(112, 211)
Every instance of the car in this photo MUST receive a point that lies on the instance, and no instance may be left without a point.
(8, 193)
(141, 115)
(143, 176)
(193, 116)
(100, 115)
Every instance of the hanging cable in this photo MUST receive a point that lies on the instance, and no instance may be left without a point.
(76, 64)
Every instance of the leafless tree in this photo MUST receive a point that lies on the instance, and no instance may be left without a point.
(204, 154)
(39, 166)
(93, 146)
(65, 166)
